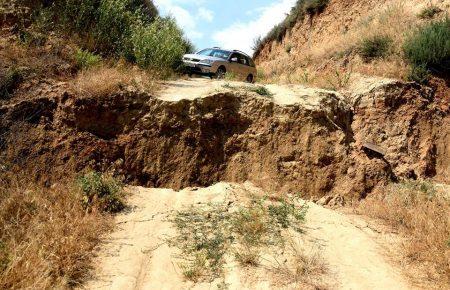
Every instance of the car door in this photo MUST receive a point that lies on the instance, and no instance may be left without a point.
(244, 66)
(233, 66)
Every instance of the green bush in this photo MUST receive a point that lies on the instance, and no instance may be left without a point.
(159, 45)
(86, 59)
(429, 47)
(429, 12)
(118, 28)
(101, 191)
(374, 47)
(114, 26)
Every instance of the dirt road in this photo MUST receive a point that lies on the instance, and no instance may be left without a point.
(137, 255)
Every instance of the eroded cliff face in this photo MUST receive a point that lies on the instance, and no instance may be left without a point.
(234, 135)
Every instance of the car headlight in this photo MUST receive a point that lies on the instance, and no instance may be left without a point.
(206, 61)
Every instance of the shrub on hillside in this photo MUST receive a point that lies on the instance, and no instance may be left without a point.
(429, 47)
(315, 6)
(374, 47)
(86, 59)
(119, 28)
(159, 45)
(101, 191)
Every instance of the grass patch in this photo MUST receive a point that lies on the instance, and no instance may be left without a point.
(104, 80)
(230, 76)
(10, 82)
(101, 191)
(206, 234)
(421, 213)
(429, 12)
(374, 47)
(338, 79)
(261, 90)
(429, 47)
(47, 238)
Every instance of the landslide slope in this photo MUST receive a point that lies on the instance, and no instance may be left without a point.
(198, 132)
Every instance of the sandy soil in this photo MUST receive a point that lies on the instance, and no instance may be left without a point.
(137, 256)
(283, 95)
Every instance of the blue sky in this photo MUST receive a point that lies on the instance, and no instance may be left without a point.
(229, 24)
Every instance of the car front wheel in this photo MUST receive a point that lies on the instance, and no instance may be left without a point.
(249, 79)
(220, 74)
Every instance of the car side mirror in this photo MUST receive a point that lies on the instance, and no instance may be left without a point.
(234, 59)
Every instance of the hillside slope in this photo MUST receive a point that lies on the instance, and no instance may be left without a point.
(321, 48)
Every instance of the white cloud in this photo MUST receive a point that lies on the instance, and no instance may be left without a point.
(242, 35)
(183, 17)
(206, 14)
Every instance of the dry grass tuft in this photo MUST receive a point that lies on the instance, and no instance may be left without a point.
(46, 237)
(305, 268)
(422, 215)
(104, 80)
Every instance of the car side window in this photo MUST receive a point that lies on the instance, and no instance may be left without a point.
(249, 61)
(243, 60)
(252, 63)
(234, 57)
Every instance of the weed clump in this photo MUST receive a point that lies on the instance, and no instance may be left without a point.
(262, 91)
(206, 234)
(374, 47)
(429, 48)
(203, 237)
(101, 191)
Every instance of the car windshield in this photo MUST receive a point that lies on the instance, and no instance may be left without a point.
(215, 53)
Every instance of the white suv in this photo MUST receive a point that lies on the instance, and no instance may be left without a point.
(216, 62)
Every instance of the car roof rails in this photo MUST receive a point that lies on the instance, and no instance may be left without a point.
(216, 47)
(237, 50)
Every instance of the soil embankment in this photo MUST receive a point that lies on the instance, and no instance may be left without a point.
(198, 132)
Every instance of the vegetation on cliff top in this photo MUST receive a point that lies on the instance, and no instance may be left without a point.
(111, 28)
(298, 13)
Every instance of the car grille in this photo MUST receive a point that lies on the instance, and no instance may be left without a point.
(192, 59)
